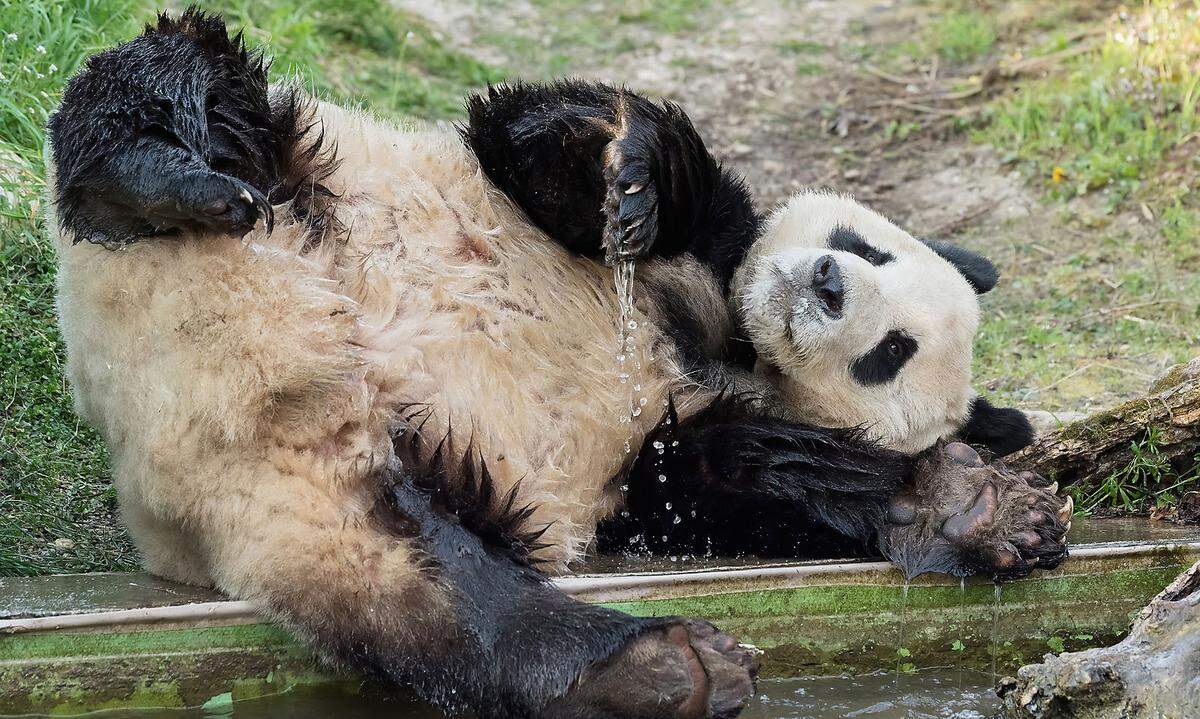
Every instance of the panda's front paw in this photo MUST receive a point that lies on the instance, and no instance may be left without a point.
(219, 203)
(963, 517)
(160, 198)
(630, 202)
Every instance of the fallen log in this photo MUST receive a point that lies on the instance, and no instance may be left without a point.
(1087, 451)
(1154, 673)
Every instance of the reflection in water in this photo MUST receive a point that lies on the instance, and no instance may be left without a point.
(924, 695)
(1119, 530)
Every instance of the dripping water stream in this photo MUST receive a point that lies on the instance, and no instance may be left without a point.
(995, 630)
(629, 365)
(962, 625)
(900, 648)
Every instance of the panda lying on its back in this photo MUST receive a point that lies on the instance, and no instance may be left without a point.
(277, 397)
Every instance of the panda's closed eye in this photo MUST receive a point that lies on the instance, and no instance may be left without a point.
(847, 240)
(884, 361)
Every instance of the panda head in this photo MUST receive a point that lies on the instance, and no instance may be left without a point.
(862, 325)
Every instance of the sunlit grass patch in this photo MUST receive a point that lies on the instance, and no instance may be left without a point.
(361, 52)
(1111, 116)
(962, 35)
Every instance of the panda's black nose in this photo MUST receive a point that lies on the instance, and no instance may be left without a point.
(827, 284)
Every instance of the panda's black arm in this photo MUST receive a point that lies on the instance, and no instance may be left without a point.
(608, 173)
(733, 481)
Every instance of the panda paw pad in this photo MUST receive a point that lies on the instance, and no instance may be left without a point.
(966, 517)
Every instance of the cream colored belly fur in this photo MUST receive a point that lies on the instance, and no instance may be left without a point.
(225, 374)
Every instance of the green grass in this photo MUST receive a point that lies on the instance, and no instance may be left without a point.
(56, 499)
(961, 36)
(1116, 119)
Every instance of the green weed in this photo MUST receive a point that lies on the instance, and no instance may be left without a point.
(1147, 481)
(961, 36)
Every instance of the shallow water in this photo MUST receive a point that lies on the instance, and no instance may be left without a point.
(938, 694)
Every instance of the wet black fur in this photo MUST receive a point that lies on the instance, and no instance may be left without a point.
(154, 130)
(743, 483)
(459, 483)
(1002, 430)
(542, 145)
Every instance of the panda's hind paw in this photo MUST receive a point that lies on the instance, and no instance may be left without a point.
(686, 669)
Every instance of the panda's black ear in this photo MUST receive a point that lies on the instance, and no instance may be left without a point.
(1001, 429)
(979, 270)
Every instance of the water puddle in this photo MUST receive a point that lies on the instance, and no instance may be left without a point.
(925, 695)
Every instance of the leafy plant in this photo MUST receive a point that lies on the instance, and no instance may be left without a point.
(1147, 480)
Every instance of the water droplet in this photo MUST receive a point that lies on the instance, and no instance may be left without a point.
(658, 445)
(662, 477)
(636, 387)
(624, 487)
(637, 411)
(632, 325)
(628, 449)
(677, 519)
(642, 402)
(668, 505)
(664, 537)
(675, 443)
(693, 513)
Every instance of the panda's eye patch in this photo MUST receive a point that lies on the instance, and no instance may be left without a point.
(884, 361)
(847, 240)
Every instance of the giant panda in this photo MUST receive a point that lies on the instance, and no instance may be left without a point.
(366, 376)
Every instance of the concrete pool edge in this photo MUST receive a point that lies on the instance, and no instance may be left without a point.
(811, 618)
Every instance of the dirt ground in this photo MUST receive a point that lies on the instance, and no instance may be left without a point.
(786, 93)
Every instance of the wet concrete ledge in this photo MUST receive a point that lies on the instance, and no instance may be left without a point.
(76, 642)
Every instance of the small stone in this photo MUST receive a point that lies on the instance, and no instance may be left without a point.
(64, 543)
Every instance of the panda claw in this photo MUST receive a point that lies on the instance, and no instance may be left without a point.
(634, 188)
(1068, 509)
(1053, 488)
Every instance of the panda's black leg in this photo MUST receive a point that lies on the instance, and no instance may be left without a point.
(730, 481)
(610, 174)
(170, 131)
(524, 648)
